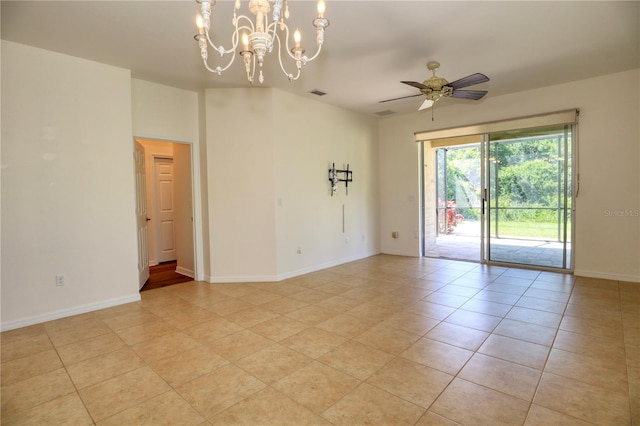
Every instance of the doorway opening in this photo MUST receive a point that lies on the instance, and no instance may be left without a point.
(502, 197)
(164, 200)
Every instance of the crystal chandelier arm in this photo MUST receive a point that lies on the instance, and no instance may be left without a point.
(273, 28)
(285, 29)
(290, 76)
(235, 38)
(204, 25)
(220, 49)
(314, 56)
(219, 70)
(320, 23)
(297, 53)
(204, 40)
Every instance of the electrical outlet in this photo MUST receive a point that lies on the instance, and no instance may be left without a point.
(394, 234)
(299, 251)
(59, 280)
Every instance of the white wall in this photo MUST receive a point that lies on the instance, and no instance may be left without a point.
(241, 184)
(310, 135)
(268, 155)
(399, 185)
(609, 137)
(164, 112)
(67, 186)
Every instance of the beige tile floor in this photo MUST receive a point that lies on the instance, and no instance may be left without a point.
(385, 340)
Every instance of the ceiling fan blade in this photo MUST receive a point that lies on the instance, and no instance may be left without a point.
(402, 97)
(469, 80)
(469, 94)
(428, 103)
(416, 84)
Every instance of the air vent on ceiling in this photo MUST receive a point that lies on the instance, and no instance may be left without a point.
(317, 92)
(385, 112)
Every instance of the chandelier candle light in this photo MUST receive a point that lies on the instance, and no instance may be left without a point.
(258, 39)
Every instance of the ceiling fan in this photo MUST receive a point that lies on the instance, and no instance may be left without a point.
(436, 88)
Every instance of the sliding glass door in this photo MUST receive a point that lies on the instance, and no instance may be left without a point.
(458, 202)
(527, 197)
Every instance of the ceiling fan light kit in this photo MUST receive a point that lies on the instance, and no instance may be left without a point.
(436, 88)
(258, 38)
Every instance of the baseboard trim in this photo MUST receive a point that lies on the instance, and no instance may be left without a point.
(322, 266)
(287, 275)
(606, 276)
(183, 271)
(243, 279)
(400, 253)
(63, 313)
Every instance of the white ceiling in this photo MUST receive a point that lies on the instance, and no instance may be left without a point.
(370, 45)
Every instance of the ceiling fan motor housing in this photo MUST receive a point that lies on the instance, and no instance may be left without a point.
(437, 87)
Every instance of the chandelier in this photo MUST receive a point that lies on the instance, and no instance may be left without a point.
(258, 38)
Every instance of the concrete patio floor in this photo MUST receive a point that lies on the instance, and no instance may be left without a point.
(464, 244)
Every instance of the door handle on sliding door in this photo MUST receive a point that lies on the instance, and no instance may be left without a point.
(484, 199)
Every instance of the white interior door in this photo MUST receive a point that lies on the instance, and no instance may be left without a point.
(165, 210)
(141, 214)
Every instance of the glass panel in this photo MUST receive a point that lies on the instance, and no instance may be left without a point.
(530, 197)
(463, 190)
(457, 203)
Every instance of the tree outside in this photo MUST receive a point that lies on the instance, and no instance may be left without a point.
(527, 182)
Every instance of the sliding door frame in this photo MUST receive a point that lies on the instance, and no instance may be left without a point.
(462, 135)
